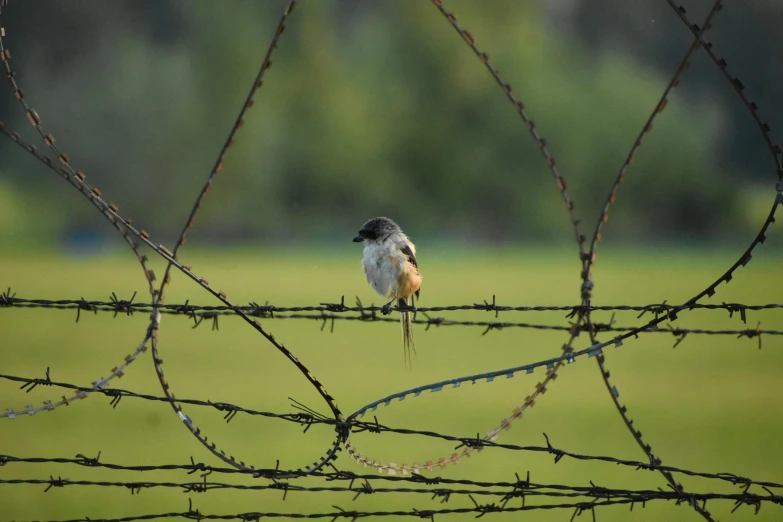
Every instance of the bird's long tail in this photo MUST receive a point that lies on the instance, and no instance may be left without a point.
(406, 322)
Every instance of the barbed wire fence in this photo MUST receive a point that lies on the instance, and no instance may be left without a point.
(411, 479)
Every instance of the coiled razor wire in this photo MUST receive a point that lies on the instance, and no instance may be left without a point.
(112, 213)
(343, 425)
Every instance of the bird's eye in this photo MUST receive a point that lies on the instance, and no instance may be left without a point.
(368, 234)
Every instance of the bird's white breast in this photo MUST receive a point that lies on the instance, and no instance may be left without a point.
(381, 272)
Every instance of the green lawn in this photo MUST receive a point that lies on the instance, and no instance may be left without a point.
(711, 404)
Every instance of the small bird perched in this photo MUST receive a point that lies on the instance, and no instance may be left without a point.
(391, 268)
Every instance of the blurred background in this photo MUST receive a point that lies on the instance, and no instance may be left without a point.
(371, 100)
(380, 108)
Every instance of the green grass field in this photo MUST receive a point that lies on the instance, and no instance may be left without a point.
(712, 404)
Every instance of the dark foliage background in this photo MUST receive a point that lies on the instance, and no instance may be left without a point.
(375, 108)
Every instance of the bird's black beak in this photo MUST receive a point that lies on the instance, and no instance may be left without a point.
(358, 239)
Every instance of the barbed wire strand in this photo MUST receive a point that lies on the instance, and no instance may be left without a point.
(521, 489)
(113, 304)
(307, 420)
(200, 314)
(528, 490)
(126, 308)
(478, 509)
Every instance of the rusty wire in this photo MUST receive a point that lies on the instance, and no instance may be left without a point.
(581, 315)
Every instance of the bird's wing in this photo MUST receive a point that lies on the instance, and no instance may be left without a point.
(407, 251)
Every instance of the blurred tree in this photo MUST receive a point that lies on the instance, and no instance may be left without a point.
(378, 108)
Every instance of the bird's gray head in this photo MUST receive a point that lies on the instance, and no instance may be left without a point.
(376, 229)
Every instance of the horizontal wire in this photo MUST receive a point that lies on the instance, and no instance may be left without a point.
(520, 490)
(477, 508)
(330, 312)
(357, 426)
(203, 486)
(121, 305)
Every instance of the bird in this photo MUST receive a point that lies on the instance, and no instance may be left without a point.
(390, 265)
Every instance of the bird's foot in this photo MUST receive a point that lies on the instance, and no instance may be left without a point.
(387, 308)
